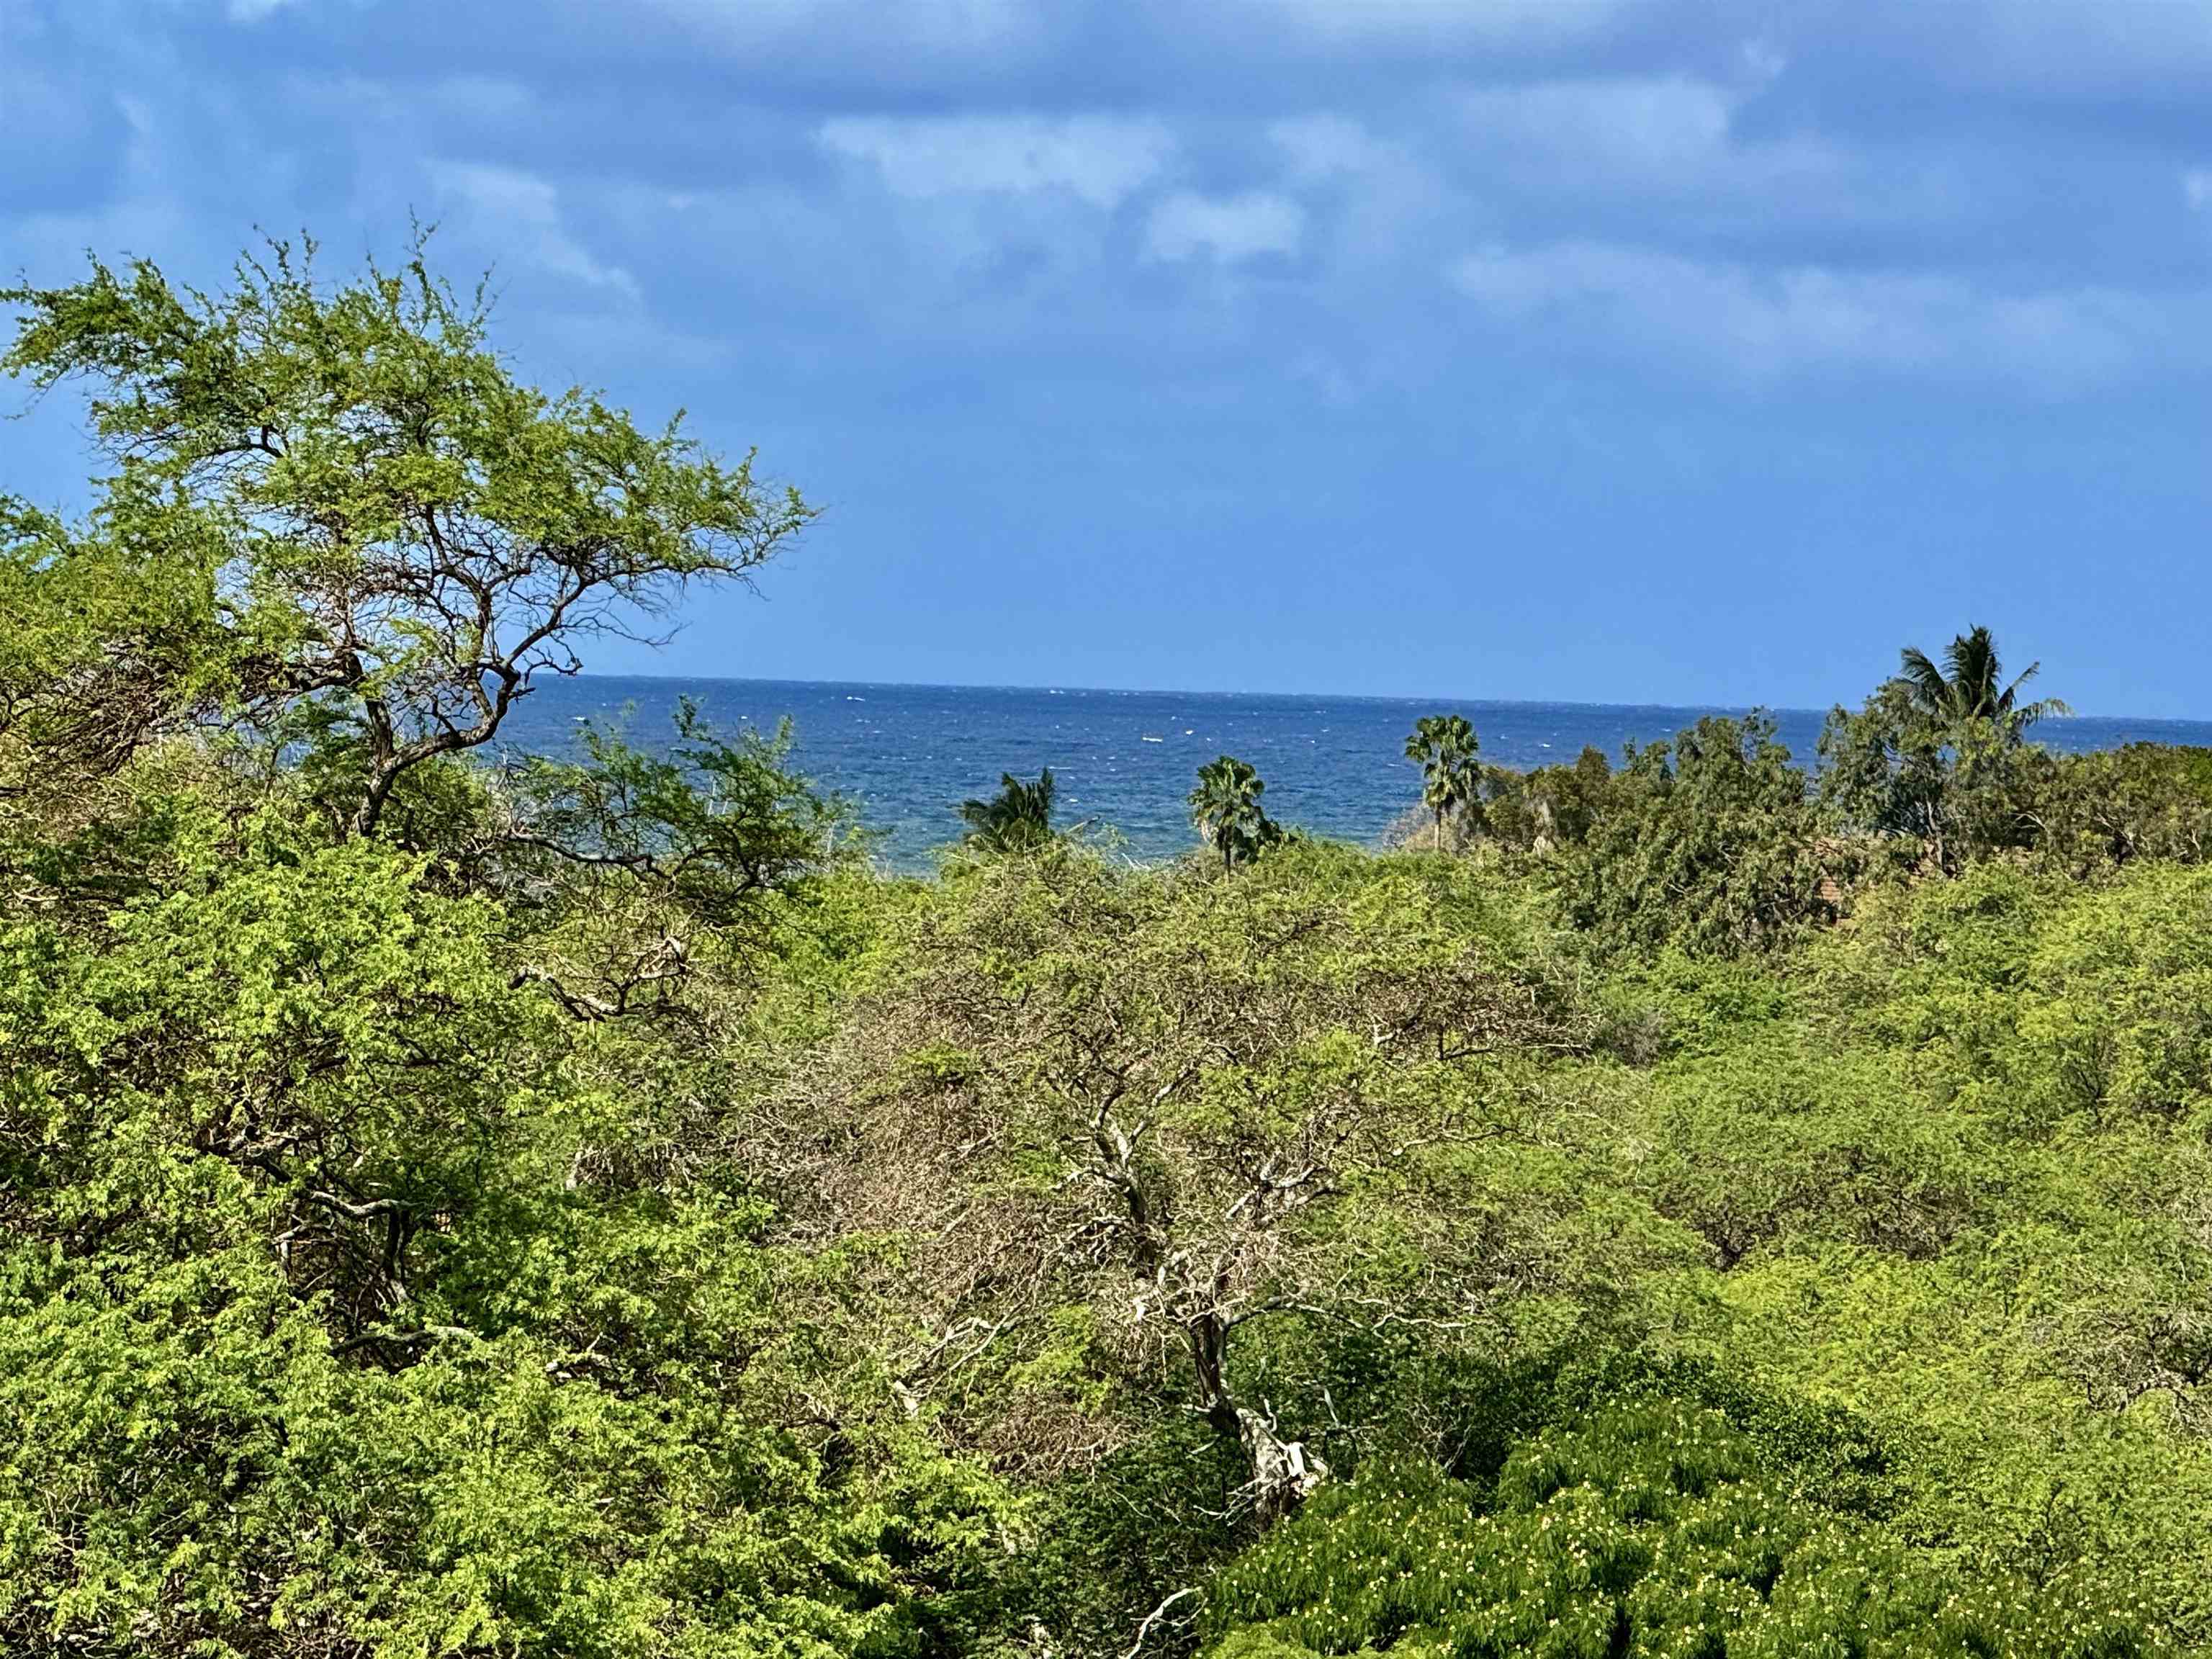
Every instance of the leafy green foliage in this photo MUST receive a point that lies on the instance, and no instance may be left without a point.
(1445, 747)
(337, 1302)
(585, 1210)
(1707, 843)
(1225, 807)
(103, 641)
(1970, 687)
(367, 1285)
(2090, 814)
(1926, 793)
(1647, 1529)
(1549, 807)
(630, 864)
(1018, 819)
(1932, 770)
(341, 498)
(1884, 769)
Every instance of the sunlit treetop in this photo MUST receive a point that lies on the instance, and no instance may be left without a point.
(352, 498)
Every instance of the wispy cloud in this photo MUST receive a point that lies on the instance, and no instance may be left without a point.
(1537, 21)
(1733, 320)
(1643, 138)
(944, 30)
(1099, 160)
(1330, 145)
(521, 212)
(1226, 228)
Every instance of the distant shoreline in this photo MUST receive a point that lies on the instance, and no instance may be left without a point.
(1440, 700)
(1424, 700)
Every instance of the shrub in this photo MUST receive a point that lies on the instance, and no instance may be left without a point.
(1647, 1528)
(1708, 843)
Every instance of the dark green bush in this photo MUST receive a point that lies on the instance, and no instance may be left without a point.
(1650, 1528)
(1708, 844)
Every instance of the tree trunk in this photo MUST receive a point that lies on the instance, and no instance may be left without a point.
(372, 801)
(1284, 1474)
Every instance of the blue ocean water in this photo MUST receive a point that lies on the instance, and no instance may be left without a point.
(1126, 760)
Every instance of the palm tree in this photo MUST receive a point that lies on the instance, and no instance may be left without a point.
(1015, 820)
(1967, 687)
(1226, 808)
(1445, 745)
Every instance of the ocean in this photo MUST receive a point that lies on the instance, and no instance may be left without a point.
(908, 754)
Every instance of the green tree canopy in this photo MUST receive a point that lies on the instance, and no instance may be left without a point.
(356, 1299)
(1451, 778)
(341, 496)
(369, 1285)
(634, 865)
(1707, 842)
(1933, 761)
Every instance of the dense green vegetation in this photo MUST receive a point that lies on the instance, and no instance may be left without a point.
(585, 1209)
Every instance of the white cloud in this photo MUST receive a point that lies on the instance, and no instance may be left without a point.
(253, 11)
(1227, 227)
(2072, 45)
(1763, 61)
(1540, 22)
(1378, 198)
(1742, 322)
(1329, 146)
(956, 26)
(522, 213)
(1637, 135)
(2196, 186)
(1100, 159)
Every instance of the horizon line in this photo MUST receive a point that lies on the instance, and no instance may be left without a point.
(1341, 696)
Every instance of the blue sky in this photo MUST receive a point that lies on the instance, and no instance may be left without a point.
(1651, 350)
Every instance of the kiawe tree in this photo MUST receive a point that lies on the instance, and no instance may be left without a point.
(1707, 844)
(1445, 746)
(367, 1283)
(372, 535)
(632, 864)
(1131, 1124)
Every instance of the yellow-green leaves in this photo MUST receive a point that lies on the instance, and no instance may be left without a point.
(390, 534)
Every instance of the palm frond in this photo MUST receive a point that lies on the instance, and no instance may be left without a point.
(2012, 692)
(2042, 709)
(1970, 687)
(1930, 690)
(1019, 815)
